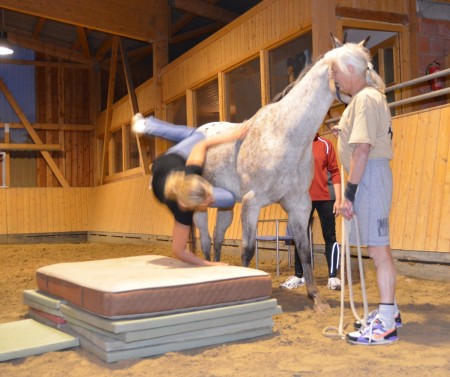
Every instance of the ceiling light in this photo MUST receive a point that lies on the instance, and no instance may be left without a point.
(5, 47)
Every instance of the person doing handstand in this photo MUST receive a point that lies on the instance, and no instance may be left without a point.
(177, 175)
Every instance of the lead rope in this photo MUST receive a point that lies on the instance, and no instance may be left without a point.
(332, 331)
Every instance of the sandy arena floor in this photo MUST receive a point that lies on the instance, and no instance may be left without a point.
(297, 347)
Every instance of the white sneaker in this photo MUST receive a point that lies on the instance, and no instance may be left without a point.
(334, 284)
(293, 282)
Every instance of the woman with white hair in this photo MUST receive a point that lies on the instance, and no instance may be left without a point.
(365, 149)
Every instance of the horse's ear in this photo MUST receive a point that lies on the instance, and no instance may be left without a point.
(336, 42)
(364, 42)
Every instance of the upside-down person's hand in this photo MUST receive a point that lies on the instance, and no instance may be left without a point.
(242, 130)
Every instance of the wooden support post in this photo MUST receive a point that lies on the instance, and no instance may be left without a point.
(111, 86)
(34, 136)
(323, 13)
(160, 60)
(134, 109)
(7, 165)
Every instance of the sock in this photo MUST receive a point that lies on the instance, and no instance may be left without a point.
(386, 313)
(396, 309)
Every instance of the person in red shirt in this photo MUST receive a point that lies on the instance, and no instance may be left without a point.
(325, 194)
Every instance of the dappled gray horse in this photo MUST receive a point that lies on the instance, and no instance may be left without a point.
(273, 164)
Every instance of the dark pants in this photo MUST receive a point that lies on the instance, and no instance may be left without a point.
(324, 209)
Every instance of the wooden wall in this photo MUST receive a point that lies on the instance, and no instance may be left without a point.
(66, 115)
(44, 210)
(420, 218)
(268, 24)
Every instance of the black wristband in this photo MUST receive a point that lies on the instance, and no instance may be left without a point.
(350, 191)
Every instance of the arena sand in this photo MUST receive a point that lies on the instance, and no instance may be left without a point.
(296, 348)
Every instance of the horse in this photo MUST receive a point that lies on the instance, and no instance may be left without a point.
(273, 164)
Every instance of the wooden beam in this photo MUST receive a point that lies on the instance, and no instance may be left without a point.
(34, 136)
(49, 49)
(372, 15)
(160, 60)
(110, 100)
(322, 13)
(52, 126)
(29, 147)
(205, 10)
(82, 39)
(38, 27)
(195, 33)
(45, 64)
(132, 19)
(134, 109)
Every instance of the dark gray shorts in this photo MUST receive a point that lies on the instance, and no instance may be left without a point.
(372, 204)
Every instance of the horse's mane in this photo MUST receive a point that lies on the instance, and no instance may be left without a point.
(278, 97)
(288, 88)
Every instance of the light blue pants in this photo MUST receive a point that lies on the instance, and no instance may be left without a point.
(186, 138)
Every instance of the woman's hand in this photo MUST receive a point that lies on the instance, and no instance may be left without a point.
(347, 209)
(242, 130)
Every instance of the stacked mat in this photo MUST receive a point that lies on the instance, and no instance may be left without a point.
(149, 305)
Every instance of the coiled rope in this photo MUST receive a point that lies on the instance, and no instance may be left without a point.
(338, 332)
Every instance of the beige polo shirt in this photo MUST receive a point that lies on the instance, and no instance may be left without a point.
(367, 119)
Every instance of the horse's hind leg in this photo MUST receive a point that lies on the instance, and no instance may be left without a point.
(298, 210)
(249, 217)
(201, 222)
(224, 219)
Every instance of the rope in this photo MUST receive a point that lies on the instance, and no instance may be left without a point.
(338, 332)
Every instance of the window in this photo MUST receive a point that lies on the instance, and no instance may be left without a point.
(243, 91)
(176, 111)
(207, 103)
(287, 61)
(133, 150)
(116, 151)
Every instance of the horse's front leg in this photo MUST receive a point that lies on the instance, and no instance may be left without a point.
(201, 222)
(223, 222)
(249, 217)
(298, 210)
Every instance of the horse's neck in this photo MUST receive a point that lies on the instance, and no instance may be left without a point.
(308, 102)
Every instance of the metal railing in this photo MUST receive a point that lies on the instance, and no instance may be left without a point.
(405, 101)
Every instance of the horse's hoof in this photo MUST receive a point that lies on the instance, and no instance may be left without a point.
(322, 307)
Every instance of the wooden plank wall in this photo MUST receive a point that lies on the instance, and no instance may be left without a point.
(129, 207)
(44, 210)
(67, 102)
(241, 39)
(420, 218)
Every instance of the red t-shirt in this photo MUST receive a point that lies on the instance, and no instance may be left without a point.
(326, 170)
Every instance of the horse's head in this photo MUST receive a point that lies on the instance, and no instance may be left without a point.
(355, 54)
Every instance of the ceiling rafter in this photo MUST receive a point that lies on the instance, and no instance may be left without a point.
(38, 27)
(111, 19)
(82, 39)
(205, 10)
(49, 49)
